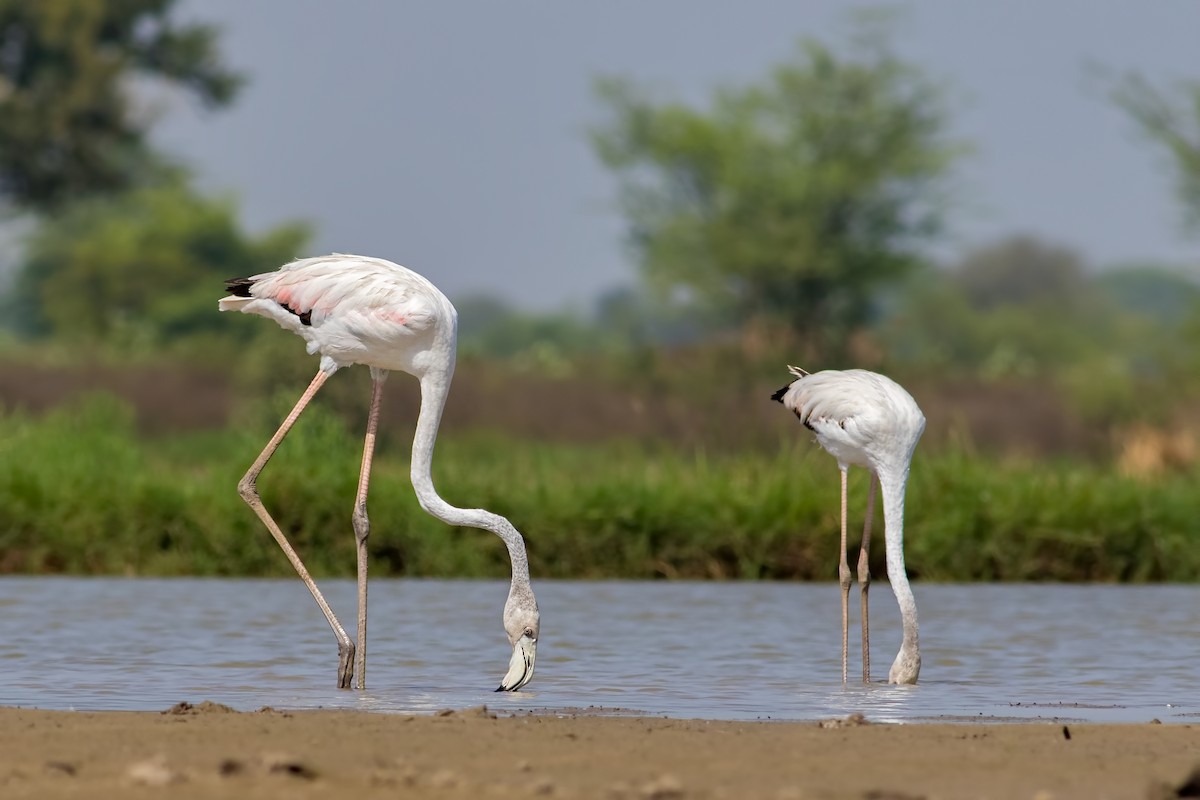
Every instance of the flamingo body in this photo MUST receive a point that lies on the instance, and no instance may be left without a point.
(861, 418)
(352, 310)
(360, 310)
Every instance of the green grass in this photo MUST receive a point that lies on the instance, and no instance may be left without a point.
(81, 492)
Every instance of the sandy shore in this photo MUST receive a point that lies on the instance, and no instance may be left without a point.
(210, 751)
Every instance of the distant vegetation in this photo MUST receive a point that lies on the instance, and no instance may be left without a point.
(1170, 119)
(81, 493)
(785, 220)
(786, 205)
(72, 127)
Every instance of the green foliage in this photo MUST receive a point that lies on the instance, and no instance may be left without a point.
(1171, 119)
(1150, 291)
(141, 268)
(488, 328)
(625, 326)
(1065, 522)
(636, 319)
(792, 200)
(1021, 271)
(83, 494)
(1024, 309)
(69, 124)
(1014, 308)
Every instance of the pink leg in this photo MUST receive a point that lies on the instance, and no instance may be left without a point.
(248, 489)
(844, 580)
(864, 577)
(362, 526)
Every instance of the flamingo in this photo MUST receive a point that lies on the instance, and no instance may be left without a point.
(359, 310)
(865, 419)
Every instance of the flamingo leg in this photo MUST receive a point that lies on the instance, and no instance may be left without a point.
(248, 489)
(362, 525)
(864, 577)
(844, 580)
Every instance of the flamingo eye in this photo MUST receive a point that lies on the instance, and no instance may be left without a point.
(529, 632)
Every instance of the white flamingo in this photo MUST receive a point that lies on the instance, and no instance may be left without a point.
(357, 310)
(865, 419)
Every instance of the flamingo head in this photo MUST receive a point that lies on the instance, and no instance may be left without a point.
(521, 623)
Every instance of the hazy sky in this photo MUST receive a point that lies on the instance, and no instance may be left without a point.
(450, 136)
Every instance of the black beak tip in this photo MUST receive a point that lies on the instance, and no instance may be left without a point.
(501, 688)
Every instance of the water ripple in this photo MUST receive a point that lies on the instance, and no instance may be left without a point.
(701, 650)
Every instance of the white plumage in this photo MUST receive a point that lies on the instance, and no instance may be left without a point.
(350, 309)
(865, 419)
(359, 310)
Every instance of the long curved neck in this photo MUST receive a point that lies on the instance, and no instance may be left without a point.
(435, 387)
(892, 485)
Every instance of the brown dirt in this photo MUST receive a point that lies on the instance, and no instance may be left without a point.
(205, 750)
(1016, 418)
(164, 399)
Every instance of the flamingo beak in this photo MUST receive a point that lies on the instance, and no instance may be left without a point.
(520, 667)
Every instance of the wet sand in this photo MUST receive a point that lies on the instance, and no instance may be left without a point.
(210, 751)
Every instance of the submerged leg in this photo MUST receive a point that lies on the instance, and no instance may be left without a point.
(844, 580)
(362, 525)
(248, 489)
(864, 577)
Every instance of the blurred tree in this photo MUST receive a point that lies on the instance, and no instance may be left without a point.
(1157, 308)
(1023, 308)
(630, 318)
(1016, 307)
(786, 203)
(490, 328)
(479, 315)
(1171, 118)
(1020, 270)
(1151, 291)
(145, 265)
(621, 320)
(69, 123)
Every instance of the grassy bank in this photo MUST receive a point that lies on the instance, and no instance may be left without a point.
(81, 492)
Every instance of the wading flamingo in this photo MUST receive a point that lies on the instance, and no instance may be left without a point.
(865, 419)
(358, 310)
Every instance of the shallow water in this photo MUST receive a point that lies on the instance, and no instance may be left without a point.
(693, 650)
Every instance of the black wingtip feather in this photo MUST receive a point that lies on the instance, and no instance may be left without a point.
(239, 287)
(778, 396)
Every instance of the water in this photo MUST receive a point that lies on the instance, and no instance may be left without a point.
(691, 650)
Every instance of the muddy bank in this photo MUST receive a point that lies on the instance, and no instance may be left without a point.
(210, 751)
